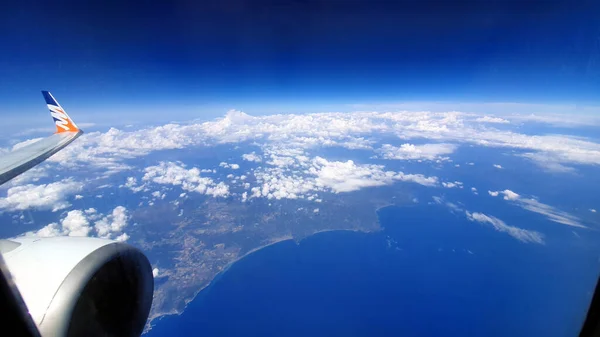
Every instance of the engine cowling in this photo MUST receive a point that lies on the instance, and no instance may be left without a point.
(79, 286)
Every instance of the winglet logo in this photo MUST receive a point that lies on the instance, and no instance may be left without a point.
(61, 119)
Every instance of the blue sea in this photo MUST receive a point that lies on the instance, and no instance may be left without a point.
(428, 273)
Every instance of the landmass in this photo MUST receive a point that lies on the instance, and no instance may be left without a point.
(192, 249)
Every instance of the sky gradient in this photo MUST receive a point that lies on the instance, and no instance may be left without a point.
(141, 58)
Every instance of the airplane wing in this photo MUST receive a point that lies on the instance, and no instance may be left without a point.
(22, 159)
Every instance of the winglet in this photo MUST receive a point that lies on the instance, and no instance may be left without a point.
(63, 122)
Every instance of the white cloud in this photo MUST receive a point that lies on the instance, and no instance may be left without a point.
(132, 184)
(548, 163)
(456, 184)
(592, 210)
(122, 238)
(347, 176)
(155, 272)
(499, 225)
(414, 152)
(51, 196)
(535, 206)
(75, 224)
(227, 165)
(253, 157)
(306, 177)
(78, 196)
(79, 223)
(490, 119)
(498, 166)
(113, 223)
(170, 173)
(510, 195)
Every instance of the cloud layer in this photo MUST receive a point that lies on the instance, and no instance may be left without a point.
(355, 130)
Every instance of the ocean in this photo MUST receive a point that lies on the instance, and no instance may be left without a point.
(428, 273)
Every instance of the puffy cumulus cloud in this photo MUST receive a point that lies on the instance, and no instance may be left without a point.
(510, 195)
(170, 173)
(499, 225)
(348, 176)
(51, 196)
(155, 272)
(416, 152)
(75, 224)
(498, 166)
(490, 119)
(535, 206)
(252, 157)
(307, 178)
(113, 223)
(592, 210)
(89, 223)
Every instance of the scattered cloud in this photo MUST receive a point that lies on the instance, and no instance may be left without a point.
(53, 196)
(132, 184)
(416, 152)
(499, 225)
(306, 178)
(252, 157)
(171, 173)
(155, 272)
(231, 166)
(498, 166)
(592, 210)
(456, 184)
(79, 223)
(535, 206)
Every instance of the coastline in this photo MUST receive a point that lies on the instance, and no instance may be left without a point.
(149, 324)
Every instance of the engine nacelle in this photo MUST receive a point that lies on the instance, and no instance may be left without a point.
(79, 286)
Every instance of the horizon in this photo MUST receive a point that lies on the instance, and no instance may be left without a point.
(200, 60)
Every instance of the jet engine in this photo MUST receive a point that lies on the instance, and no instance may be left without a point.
(80, 286)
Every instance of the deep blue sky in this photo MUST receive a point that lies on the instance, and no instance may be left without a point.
(201, 55)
